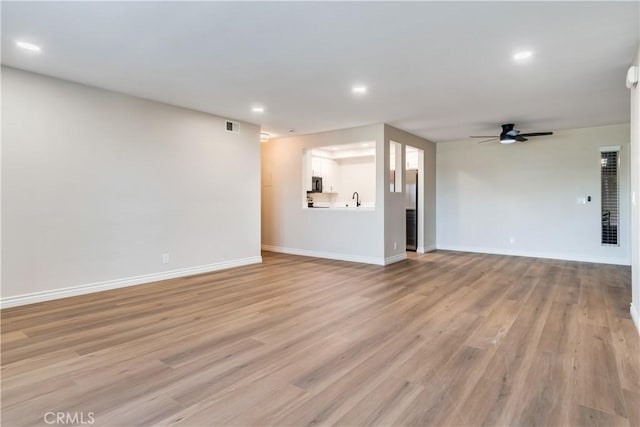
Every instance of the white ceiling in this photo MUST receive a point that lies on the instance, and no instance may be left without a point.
(440, 70)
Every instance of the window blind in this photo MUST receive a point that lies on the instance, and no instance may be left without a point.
(610, 197)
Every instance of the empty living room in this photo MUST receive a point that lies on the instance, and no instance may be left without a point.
(320, 213)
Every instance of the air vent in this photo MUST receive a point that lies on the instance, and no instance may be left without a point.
(232, 127)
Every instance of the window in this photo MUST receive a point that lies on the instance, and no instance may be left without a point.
(609, 159)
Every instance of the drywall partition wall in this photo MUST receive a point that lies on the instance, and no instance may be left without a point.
(352, 235)
(522, 199)
(635, 197)
(97, 186)
(394, 204)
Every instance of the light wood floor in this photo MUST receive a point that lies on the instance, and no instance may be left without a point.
(440, 339)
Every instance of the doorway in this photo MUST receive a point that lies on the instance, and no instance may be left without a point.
(414, 198)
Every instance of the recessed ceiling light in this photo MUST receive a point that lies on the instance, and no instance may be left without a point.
(359, 90)
(521, 56)
(28, 46)
(257, 109)
(264, 136)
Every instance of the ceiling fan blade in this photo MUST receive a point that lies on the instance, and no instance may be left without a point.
(484, 136)
(521, 138)
(536, 134)
(488, 140)
(513, 132)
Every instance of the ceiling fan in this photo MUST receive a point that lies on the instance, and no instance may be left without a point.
(509, 135)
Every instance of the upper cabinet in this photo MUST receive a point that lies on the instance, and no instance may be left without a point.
(316, 166)
(330, 178)
(326, 169)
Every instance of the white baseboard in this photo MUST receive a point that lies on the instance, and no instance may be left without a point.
(330, 255)
(425, 249)
(636, 317)
(395, 258)
(563, 257)
(34, 297)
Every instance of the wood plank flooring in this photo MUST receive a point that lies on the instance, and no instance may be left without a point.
(452, 339)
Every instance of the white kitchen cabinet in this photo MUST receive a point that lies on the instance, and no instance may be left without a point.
(306, 170)
(329, 176)
(327, 169)
(317, 164)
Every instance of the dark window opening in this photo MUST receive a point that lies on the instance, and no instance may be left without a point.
(610, 198)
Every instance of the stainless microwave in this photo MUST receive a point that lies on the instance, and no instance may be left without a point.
(316, 184)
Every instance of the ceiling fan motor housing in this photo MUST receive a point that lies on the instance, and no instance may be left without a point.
(508, 134)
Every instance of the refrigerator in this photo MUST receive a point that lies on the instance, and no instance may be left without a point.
(411, 202)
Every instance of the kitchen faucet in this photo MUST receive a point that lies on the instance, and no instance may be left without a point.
(357, 197)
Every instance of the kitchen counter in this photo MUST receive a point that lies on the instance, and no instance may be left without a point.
(343, 209)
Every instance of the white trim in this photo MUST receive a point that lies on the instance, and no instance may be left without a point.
(34, 297)
(635, 317)
(395, 258)
(327, 255)
(564, 257)
(424, 250)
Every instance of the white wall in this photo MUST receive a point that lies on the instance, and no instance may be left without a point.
(635, 189)
(357, 174)
(288, 227)
(395, 230)
(490, 193)
(97, 185)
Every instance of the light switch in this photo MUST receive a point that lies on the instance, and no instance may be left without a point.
(582, 200)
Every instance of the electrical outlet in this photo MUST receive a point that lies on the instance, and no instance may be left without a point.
(165, 258)
(512, 240)
(395, 246)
